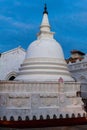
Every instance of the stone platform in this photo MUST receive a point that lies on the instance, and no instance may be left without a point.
(36, 99)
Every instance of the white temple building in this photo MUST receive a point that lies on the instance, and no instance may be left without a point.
(77, 64)
(43, 87)
(10, 62)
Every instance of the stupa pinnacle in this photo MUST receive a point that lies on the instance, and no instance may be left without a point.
(45, 9)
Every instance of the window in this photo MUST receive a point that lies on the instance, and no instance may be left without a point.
(12, 78)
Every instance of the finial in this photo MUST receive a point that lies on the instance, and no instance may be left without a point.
(45, 9)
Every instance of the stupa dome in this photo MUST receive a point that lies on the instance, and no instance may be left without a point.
(44, 59)
(45, 48)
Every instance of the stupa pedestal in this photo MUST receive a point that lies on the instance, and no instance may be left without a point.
(36, 99)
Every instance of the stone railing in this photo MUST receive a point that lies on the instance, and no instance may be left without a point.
(77, 66)
(37, 87)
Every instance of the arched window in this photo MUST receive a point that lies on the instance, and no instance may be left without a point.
(74, 79)
(82, 79)
(12, 78)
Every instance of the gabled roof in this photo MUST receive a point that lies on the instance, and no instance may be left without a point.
(77, 51)
(15, 49)
(74, 59)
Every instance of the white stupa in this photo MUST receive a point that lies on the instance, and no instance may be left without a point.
(44, 59)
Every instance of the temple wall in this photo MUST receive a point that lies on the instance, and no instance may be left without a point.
(39, 98)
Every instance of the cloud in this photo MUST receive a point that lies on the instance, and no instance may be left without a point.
(17, 24)
(80, 17)
(81, 4)
(14, 33)
(4, 18)
(17, 3)
(23, 25)
(25, 3)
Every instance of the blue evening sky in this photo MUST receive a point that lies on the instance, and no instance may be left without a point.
(20, 21)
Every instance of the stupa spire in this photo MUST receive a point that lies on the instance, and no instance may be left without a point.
(45, 31)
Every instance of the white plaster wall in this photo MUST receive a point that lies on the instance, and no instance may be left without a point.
(10, 62)
(39, 98)
(79, 73)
